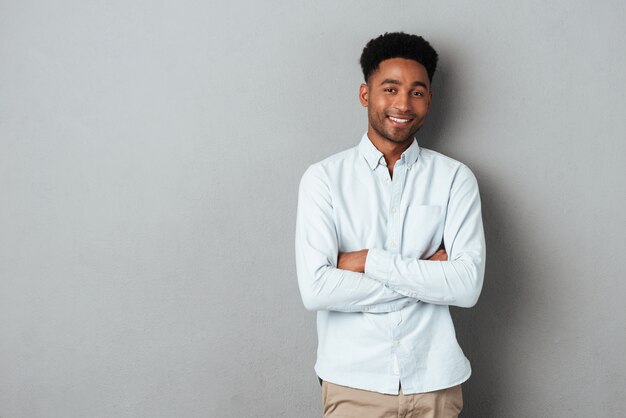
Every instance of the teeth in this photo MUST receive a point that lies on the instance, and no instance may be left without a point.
(399, 120)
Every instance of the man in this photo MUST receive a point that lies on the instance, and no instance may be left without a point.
(388, 235)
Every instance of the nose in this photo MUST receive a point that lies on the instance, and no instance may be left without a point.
(401, 102)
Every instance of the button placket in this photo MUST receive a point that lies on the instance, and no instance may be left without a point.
(397, 185)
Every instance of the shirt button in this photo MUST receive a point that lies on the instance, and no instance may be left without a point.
(366, 309)
(393, 245)
(413, 294)
(393, 210)
(396, 343)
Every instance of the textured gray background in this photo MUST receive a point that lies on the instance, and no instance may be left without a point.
(149, 162)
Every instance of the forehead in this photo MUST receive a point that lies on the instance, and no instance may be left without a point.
(400, 69)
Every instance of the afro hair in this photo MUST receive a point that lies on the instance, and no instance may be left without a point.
(398, 45)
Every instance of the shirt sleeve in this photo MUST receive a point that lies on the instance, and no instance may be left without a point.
(323, 286)
(457, 281)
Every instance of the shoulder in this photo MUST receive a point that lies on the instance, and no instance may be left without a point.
(444, 164)
(430, 157)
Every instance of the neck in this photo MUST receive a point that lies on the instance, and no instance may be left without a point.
(392, 151)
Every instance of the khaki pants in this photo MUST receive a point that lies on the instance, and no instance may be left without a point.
(345, 402)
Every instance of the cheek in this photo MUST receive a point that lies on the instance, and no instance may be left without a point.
(422, 108)
(374, 109)
(380, 106)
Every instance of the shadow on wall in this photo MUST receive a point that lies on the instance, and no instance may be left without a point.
(484, 332)
(445, 105)
(488, 333)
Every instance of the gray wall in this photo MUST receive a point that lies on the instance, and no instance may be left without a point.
(149, 161)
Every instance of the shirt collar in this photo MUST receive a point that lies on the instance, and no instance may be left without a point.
(373, 155)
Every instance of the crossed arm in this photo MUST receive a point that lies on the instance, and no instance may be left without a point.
(355, 260)
(375, 280)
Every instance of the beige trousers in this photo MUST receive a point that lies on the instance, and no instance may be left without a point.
(345, 402)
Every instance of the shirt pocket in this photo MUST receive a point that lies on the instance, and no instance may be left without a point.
(422, 230)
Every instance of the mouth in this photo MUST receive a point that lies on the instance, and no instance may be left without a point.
(399, 121)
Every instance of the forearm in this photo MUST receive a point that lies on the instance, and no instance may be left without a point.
(333, 289)
(456, 282)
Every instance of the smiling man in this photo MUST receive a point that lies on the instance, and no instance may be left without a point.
(388, 236)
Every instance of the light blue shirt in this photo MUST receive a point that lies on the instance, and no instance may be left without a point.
(391, 324)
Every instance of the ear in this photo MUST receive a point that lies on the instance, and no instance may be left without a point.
(363, 94)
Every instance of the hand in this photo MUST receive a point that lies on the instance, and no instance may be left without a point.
(440, 255)
(353, 261)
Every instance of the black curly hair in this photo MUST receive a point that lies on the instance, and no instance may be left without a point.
(398, 45)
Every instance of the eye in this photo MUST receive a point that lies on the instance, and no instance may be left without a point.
(418, 93)
(390, 90)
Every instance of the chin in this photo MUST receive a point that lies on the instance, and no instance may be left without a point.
(400, 140)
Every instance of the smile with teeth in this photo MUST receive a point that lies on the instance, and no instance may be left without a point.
(399, 120)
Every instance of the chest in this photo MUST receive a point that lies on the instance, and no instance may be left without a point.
(403, 214)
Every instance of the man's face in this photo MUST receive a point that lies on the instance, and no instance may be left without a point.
(397, 97)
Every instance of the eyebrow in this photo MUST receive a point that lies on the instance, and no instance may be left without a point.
(414, 84)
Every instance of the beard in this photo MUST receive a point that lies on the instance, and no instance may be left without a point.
(380, 125)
